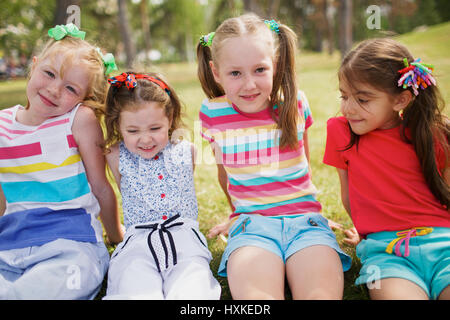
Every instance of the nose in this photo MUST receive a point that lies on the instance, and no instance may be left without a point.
(54, 88)
(146, 138)
(249, 83)
(348, 106)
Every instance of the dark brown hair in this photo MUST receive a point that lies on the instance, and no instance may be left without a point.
(376, 63)
(122, 98)
(284, 90)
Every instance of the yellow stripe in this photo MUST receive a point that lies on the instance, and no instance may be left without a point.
(258, 168)
(40, 166)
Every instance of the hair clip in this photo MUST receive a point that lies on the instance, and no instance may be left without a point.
(129, 79)
(273, 25)
(416, 75)
(108, 61)
(206, 40)
(61, 31)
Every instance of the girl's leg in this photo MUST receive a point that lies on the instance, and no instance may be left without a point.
(315, 273)
(191, 280)
(255, 273)
(445, 294)
(397, 289)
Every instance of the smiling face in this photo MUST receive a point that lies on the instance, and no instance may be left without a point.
(368, 109)
(145, 129)
(245, 70)
(54, 89)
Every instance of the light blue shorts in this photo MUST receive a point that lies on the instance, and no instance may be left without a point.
(283, 236)
(58, 270)
(427, 265)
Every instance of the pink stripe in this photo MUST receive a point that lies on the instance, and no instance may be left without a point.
(71, 141)
(47, 125)
(6, 120)
(293, 208)
(268, 186)
(8, 111)
(235, 121)
(258, 157)
(23, 151)
(263, 192)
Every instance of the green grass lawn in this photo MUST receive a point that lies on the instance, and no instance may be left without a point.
(317, 78)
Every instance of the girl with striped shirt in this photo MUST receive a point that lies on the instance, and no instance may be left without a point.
(256, 121)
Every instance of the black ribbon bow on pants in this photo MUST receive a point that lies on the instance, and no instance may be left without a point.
(162, 228)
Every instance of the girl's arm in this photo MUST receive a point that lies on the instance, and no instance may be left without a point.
(343, 177)
(447, 175)
(2, 202)
(89, 138)
(352, 236)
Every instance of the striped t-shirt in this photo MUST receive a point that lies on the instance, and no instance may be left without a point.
(262, 178)
(45, 184)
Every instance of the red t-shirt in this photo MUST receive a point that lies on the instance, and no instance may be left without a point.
(387, 189)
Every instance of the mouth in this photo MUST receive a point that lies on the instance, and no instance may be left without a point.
(250, 97)
(147, 149)
(46, 101)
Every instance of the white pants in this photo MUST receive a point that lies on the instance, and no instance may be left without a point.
(183, 275)
(58, 270)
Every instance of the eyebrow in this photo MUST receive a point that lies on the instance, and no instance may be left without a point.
(367, 93)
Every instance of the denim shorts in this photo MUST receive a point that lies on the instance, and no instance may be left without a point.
(427, 263)
(282, 235)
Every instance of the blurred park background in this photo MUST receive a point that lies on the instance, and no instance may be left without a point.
(161, 35)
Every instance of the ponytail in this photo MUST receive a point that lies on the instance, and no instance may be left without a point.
(429, 131)
(209, 85)
(284, 91)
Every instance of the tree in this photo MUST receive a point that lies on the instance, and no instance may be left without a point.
(125, 32)
(345, 26)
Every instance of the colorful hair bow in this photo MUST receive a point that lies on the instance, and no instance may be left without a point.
(129, 79)
(416, 75)
(206, 40)
(273, 25)
(60, 31)
(108, 61)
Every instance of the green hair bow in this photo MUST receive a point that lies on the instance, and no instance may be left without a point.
(60, 31)
(108, 61)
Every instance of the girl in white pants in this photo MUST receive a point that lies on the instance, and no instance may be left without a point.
(163, 254)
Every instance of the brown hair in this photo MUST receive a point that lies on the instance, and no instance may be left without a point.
(376, 63)
(284, 90)
(78, 51)
(122, 98)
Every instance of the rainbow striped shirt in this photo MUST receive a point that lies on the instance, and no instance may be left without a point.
(45, 184)
(262, 178)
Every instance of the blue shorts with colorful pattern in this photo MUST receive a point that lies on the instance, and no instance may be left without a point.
(283, 235)
(420, 255)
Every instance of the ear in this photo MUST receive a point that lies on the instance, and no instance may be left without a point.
(215, 72)
(402, 100)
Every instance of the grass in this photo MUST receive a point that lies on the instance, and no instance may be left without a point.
(317, 78)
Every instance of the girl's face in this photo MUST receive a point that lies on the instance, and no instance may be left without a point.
(245, 71)
(368, 109)
(145, 129)
(51, 93)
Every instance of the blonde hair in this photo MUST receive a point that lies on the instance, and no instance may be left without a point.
(284, 90)
(78, 51)
(122, 98)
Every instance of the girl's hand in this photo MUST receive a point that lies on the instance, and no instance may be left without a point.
(352, 237)
(334, 225)
(220, 229)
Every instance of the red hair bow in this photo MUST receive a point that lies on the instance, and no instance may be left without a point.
(129, 79)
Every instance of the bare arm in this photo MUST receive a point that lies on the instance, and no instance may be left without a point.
(343, 177)
(2, 202)
(89, 138)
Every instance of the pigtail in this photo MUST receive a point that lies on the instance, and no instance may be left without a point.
(284, 91)
(209, 85)
(428, 129)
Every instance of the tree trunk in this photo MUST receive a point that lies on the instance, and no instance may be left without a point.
(145, 29)
(345, 27)
(130, 50)
(61, 10)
